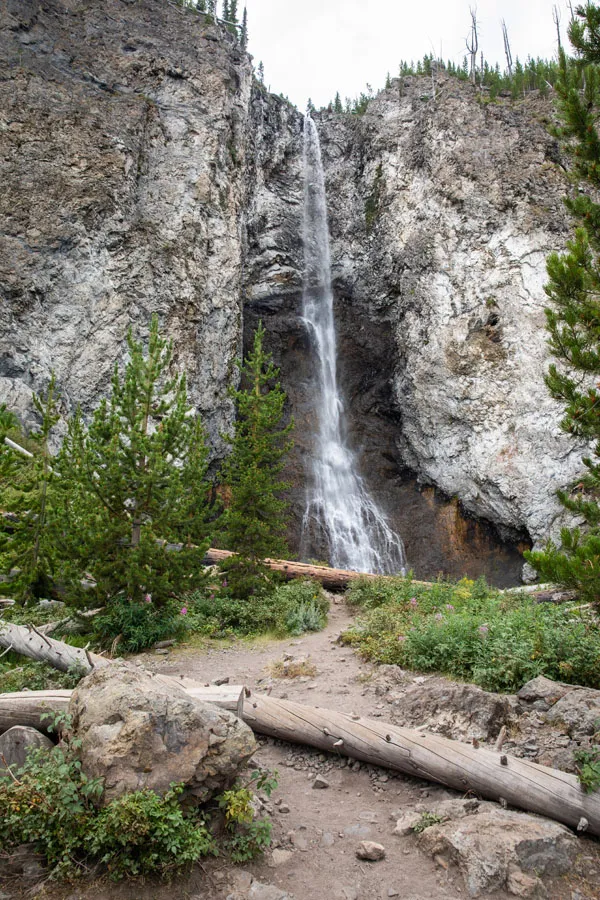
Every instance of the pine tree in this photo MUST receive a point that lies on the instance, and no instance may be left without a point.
(133, 482)
(573, 319)
(337, 103)
(233, 16)
(27, 553)
(254, 522)
(260, 72)
(225, 11)
(244, 31)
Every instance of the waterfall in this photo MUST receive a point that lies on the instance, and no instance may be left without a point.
(340, 513)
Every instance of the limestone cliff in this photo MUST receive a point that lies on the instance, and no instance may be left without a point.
(144, 169)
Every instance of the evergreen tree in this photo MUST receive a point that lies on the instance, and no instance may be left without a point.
(26, 547)
(132, 483)
(244, 31)
(337, 104)
(233, 16)
(254, 523)
(261, 72)
(573, 319)
(225, 11)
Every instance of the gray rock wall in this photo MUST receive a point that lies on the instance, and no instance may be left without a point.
(144, 170)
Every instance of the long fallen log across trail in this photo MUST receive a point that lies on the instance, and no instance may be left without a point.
(463, 767)
(332, 579)
(480, 772)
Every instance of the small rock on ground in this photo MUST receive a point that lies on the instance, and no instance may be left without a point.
(371, 851)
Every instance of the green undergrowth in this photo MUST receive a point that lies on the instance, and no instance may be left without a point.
(53, 804)
(472, 632)
(291, 608)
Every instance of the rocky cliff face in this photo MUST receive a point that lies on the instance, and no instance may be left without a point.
(144, 170)
(123, 133)
(446, 208)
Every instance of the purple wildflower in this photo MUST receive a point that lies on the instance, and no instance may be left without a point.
(413, 601)
(401, 637)
(439, 617)
(184, 610)
(148, 598)
(449, 607)
(483, 630)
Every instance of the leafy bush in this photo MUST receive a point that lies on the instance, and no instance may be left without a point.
(588, 768)
(139, 625)
(247, 837)
(470, 631)
(50, 802)
(35, 676)
(142, 834)
(284, 609)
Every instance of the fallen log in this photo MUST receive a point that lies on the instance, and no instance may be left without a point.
(29, 641)
(467, 769)
(30, 707)
(332, 579)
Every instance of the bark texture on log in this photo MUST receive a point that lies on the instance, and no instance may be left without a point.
(332, 579)
(486, 773)
(28, 707)
(523, 784)
(29, 641)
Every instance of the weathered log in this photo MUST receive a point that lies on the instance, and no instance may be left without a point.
(521, 783)
(485, 773)
(332, 579)
(29, 641)
(30, 707)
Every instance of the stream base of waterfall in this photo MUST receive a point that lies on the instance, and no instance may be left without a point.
(439, 538)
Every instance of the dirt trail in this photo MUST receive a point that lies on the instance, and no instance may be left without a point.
(316, 831)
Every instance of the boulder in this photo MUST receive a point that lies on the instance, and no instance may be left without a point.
(578, 711)
(544, 689)
(457, 711)
(137, 732)
(16, 743)
(498, 849)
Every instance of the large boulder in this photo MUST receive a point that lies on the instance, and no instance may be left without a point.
(457, 711)
(578, 711)
(16, 743)
(137, 732)
(499, 849)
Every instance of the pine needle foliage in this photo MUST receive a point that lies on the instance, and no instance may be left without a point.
(26, 548)
(254, 522)
(573, 318)
(133, 484)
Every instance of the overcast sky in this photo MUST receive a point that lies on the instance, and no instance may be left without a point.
(312, 48)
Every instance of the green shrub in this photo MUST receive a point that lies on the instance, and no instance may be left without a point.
(284, 609)
(139, 625)
(144, 834)
(51, 803)
(17, 674)
(472, 632)
(246, 837)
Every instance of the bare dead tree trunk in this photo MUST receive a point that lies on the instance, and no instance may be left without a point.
(507, 50)
(472, 43)
(556, 20)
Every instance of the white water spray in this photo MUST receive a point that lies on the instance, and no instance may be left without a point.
(340, 512)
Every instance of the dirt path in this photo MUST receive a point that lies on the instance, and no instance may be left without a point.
(317, 831)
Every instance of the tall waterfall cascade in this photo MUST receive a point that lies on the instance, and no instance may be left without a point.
(340, 513)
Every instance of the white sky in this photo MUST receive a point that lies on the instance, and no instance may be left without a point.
(311, 48)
